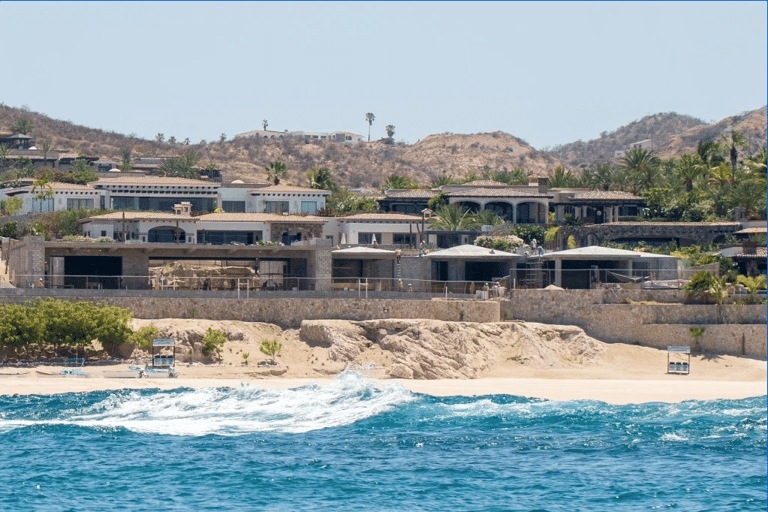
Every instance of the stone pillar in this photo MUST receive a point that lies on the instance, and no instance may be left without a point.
(323, 267)
(559, 213)
(559, 272)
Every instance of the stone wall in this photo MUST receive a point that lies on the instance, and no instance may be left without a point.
(729, 329)
(289, 312)
(685, 232)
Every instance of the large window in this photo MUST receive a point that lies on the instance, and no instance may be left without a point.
(404, 239)
(73, 204)
(233, 206)
(367, 238)
(276, 206)
(309, 207)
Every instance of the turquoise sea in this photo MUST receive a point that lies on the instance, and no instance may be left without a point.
(354, 446)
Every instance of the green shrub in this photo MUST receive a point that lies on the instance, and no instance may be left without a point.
(705, 288)
(213, 341)
(144, 336)
(271, 348)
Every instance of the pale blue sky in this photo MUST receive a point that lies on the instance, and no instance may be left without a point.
(547, 72)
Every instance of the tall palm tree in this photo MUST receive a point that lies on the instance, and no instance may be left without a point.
(737, 140)
(126, 164)
(709, 152)
(275, 171)
(4, 151)
(370, 118)
(45, 148)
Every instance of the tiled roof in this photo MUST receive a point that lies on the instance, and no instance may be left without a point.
(287, 188)
(57, 185)
(142, 216)
(604, 195)
(152, 180)
(380, 216)
(261, 217)
(494, 192)
(760, 253)
(482, 183)
(414, 193)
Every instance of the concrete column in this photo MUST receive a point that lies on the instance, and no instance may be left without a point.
(558, 272)
(559, 213)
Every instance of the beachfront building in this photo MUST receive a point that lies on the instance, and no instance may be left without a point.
(287, 199)
(180, 226)
(156, 193)
(53, 196)
(387, 229)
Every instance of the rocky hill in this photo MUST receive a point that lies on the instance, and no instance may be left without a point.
(367, 165)
(672, 135)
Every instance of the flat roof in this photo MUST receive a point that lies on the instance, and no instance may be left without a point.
(592, 252)
(472, 251)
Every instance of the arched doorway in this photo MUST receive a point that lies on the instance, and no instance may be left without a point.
(503, 210)
(472, 206)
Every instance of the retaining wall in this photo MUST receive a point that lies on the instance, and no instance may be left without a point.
(729, 329)
(289, 312)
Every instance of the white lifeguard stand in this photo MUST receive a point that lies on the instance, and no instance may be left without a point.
(160, 360)
(679, 359)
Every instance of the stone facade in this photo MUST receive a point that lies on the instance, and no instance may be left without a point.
(685, 233)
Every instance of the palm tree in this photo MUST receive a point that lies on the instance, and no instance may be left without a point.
(720, 175)
(562, 178)
(45, 147)
(752, 284)
(709, 152)
(370, 118)
(688, 169)
(442, 180)
(452, 217)
(321, 179)
(488, 218)
(398, 182)
(737, 140)
(264, 123)
(600, 178)
(390, 130)
(159, 138)
(44, 190)
(126, 164)
(643, 166)
(4, 151)
(275, 171)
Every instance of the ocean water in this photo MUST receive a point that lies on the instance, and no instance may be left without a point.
(353, 445)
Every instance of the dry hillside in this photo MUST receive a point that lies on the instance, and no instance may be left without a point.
(367, 165)
(672, 134)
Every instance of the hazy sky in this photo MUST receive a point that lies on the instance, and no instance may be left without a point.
(547, 72)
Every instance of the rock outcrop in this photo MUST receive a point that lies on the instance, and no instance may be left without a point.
(431, 349)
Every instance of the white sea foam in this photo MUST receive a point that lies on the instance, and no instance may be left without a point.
(227, 411)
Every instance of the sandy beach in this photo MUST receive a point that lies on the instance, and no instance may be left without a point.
(551, 363)
(723, 377)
